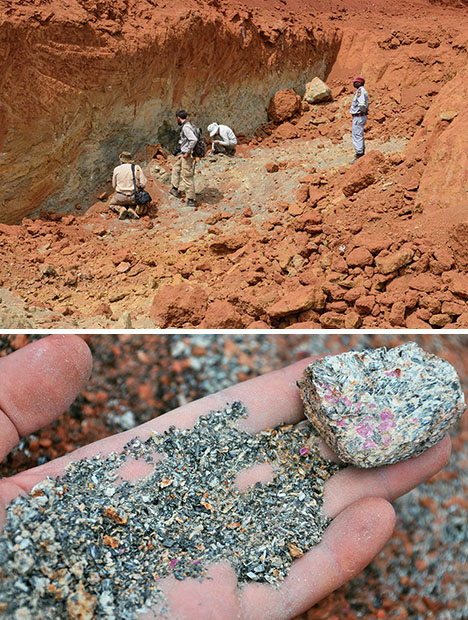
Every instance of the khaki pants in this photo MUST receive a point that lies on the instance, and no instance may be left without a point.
(183, 171)
(120, 200)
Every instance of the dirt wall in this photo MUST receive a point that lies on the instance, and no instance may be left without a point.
(80, 85)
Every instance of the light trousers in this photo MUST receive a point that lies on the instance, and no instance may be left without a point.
(183, 173)
(358, 134)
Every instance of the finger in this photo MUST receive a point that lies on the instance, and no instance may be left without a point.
(349, 543)
(389, 481)
(270, 399)
(38, 383)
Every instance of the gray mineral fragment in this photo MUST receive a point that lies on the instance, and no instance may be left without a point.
(377, 407)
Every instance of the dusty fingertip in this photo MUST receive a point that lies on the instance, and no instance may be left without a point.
(75, 345)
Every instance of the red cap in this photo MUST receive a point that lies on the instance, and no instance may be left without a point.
(359, 78)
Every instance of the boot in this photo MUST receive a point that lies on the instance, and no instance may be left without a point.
(357, 156)
(123, 213)
(132, 214)
(190, 202)
(174, 192)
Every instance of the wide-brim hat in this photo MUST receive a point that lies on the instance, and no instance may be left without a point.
(213, 129)
(126, 157)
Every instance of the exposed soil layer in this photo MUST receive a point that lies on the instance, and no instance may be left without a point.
(286, 233)
(420, 573)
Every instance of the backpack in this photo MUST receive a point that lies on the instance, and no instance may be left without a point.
(199, 150)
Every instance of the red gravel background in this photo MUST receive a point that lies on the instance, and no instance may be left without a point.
(148, 375)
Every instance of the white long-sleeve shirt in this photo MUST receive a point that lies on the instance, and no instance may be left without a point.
(227, 136)
(122, 179)
(188, 138)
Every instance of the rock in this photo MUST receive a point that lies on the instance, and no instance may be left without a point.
(365, 304)
(317, 91)
(425, 282)
(459, 244)
(444, 257)
(271, 167)
(284, 105)
(81, 604)
(448, 115)
(393, 262)
(302, 193)
(439, 320)
(123, 267)
(309, 222)
(332, 320)
(462, 321)
(178, 305)
(374, 242)
(459, 285)
(120, 256)
(126, 321)
(227, 244)
(295, 209)
(364, 173)
(304, 298)
(286, 131)
(377, 407)
(397, 314)
(353, 320)
(222, 315)
(47, 270)
(414, 322)
(359, 257)
(104, 309)
(258, 325)
(453, 308)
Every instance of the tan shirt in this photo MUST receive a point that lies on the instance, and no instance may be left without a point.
(122, 179)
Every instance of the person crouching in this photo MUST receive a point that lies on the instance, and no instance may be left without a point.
(223, 139)
(123, 201)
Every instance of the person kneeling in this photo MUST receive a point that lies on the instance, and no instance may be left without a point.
(123, 201)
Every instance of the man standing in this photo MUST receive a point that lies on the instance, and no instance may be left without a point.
(184, 167)
(226, 141)
(123, 201)
(359, 110)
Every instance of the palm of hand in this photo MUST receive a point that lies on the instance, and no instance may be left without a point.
(357, 500)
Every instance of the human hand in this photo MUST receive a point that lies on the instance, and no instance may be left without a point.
(57, 369)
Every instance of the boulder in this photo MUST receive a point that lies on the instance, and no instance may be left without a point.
(364, 173)
(284, 105)
(317, 91)
(179, 305)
